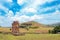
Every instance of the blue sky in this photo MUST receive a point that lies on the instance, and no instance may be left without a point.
(42, 11)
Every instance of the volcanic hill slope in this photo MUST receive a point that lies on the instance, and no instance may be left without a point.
(33, 24)
(39, 28)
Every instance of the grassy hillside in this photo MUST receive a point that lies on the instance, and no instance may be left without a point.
(41, 27)
(34, 24)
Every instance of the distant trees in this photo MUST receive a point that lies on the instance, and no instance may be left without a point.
(28, 26)
(55, 30)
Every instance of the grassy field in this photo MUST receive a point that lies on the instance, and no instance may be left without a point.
(38, 30)
(30, 37)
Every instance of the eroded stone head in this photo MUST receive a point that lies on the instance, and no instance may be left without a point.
(15, 28)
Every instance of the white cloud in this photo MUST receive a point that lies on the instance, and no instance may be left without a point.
(52, 8)
(50, 18)
(22, 18)
(33, 2)
(39, 2)
(25, 18)
(27, 10)
(9, 14)
(32, 7)
(20, 2)
(36, 17)
(57, 12)
(30, 10)
(6, 22)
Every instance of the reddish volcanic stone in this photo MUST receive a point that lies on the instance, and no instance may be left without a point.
(15, 28)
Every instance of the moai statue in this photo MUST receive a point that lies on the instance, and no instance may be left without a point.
(15, 28)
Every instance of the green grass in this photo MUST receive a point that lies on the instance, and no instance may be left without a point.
(30, 37)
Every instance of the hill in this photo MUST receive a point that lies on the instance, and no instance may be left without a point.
(33, 24)
(36, 27)
(55, 24)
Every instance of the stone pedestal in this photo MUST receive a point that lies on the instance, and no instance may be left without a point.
(15, 28)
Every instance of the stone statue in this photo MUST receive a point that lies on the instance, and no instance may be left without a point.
(15, 28)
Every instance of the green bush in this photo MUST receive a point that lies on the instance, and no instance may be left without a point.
(56, 29)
